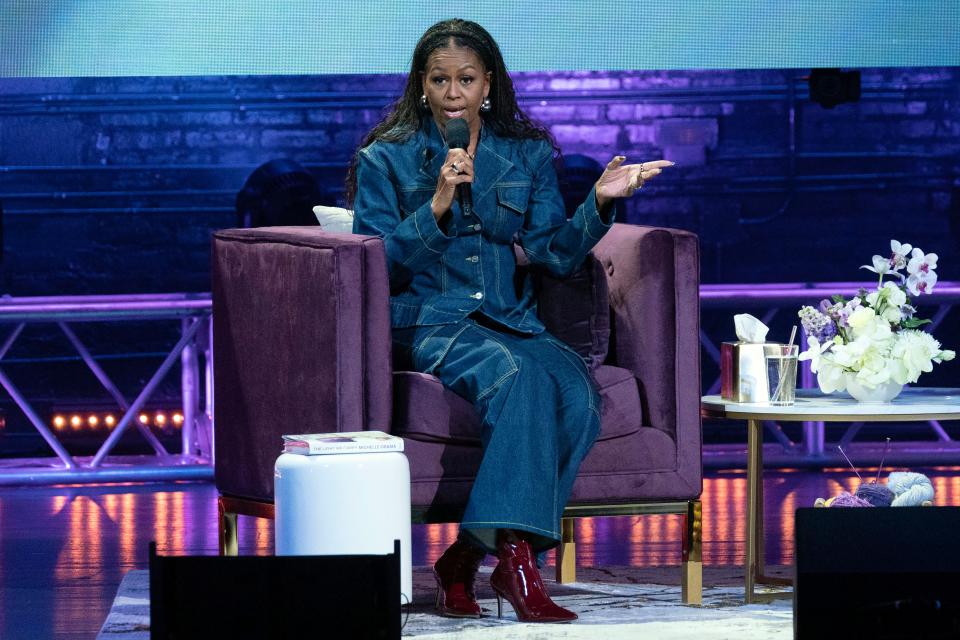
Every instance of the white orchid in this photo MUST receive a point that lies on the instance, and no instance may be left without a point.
(880, 266)
(898, 254)
(815, 351)
(921, 263)
(893, 264)
(922, 270)
(921, 282)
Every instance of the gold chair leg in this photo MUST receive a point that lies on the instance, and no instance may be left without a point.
(567, 553)
(227, 525)
(691, 577)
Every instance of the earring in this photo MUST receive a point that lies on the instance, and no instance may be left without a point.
(485, 105)
(423, 102)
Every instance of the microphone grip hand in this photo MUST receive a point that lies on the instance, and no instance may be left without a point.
(457, 169)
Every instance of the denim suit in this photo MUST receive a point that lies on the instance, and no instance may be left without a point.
(461, 311)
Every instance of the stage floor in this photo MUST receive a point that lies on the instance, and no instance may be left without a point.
(64, 550)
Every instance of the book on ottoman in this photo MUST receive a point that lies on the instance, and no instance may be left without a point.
(310, 444)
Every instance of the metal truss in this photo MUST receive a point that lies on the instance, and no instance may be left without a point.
(193, 312)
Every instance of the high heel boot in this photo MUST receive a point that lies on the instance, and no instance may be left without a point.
(517, 579)
(455, 572)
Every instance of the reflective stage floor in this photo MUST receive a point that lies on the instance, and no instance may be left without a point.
(64, 550)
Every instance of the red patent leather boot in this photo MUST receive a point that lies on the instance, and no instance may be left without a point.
(455, 572)
(517, 579)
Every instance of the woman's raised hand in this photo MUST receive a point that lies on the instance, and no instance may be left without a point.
(457, 169)
(622, 180)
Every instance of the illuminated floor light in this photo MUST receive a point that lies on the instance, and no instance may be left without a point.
(110, 421)
(59, 422)
(75, 422)
(144, 418)
(93, 421)
(160, 419)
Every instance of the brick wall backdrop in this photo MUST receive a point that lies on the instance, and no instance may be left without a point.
(114, 185)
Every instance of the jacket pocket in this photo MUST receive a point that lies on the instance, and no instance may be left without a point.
(512, 202)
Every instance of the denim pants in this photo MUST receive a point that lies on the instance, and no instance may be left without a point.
(540, 414)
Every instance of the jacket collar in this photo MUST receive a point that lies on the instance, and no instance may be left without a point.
(490, 165)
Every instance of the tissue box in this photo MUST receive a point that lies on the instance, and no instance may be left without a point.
(743, 370)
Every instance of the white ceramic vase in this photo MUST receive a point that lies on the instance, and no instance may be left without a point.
(877, 395)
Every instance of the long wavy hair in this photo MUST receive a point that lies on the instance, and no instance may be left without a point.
(505, 117)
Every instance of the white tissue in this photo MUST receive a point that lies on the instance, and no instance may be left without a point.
(749, 329)
(334, 219)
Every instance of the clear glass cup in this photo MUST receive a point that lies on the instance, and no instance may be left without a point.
(782, 375)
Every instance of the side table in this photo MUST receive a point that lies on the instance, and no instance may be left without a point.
(919, 404)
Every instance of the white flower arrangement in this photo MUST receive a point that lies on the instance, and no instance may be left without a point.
(873, 339)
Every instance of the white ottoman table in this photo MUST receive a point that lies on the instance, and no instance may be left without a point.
(344, 504)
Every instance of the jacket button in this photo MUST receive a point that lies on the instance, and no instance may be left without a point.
(473, 258)
(476, 227)
(476, 295)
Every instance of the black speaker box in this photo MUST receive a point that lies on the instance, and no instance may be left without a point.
(275, 596)
(878, 573)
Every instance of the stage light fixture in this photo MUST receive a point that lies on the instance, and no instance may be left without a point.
(83, 423)
(278, 193)
(830, 87)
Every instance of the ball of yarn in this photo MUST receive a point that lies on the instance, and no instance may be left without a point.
(846, 499)
(876, 494)
(910, 489)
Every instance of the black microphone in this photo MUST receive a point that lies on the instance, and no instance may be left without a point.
(458, 137)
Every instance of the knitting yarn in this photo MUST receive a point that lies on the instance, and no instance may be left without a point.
(876, 494)
(910, 489)
(846, 499)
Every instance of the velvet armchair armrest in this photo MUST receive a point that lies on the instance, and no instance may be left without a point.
(653, 279)
(301, 343)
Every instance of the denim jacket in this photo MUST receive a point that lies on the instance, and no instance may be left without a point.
(440, 276)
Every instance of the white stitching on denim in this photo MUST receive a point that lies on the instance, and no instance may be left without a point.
(443, 273)
(538, 258)
(416, 225)
(423, 341)
(379, 165)
(446, 349)
(513, 363)
(496, 275)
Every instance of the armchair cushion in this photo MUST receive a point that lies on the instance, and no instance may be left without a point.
(426, 411)
(577, 310)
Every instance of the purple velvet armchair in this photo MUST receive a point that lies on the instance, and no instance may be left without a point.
(302, 343)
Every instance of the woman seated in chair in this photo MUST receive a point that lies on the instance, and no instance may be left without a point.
(461, 312)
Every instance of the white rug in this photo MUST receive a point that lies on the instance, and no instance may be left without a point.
(610, 607)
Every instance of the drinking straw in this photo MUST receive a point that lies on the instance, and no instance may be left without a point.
(780, 365)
